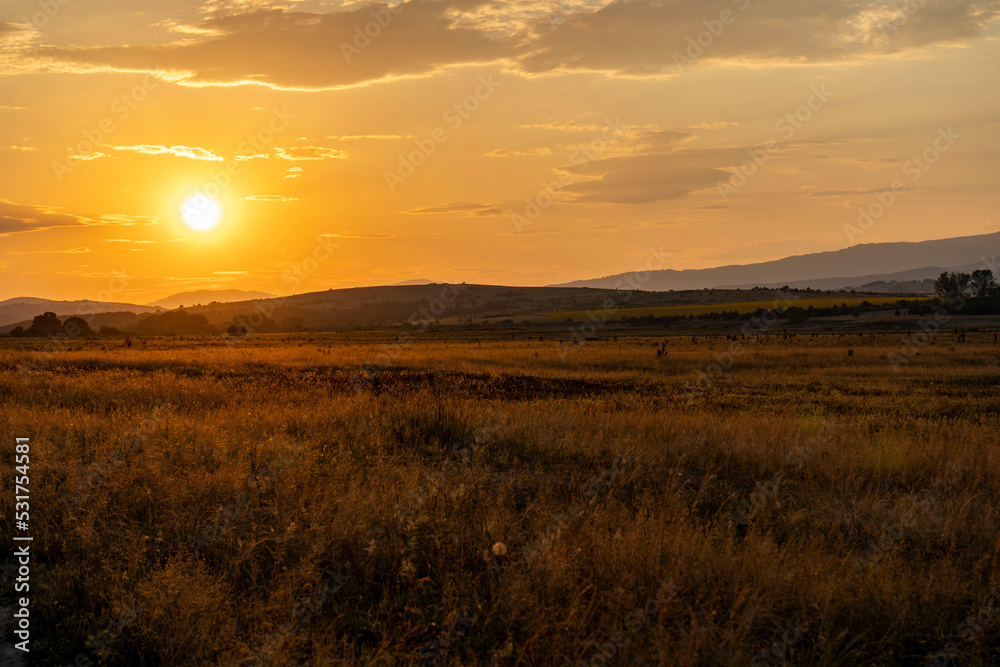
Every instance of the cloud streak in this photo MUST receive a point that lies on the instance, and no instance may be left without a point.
(15, 218)
(192, 153)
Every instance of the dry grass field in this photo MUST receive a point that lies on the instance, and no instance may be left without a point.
(732, 306)
(495, 500)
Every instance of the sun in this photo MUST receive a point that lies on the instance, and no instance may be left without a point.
(201, 213)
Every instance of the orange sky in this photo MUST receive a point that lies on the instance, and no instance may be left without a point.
(424, 148)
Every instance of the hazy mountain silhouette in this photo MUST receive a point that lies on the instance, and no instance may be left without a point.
(24, 308)
(206, 296)
(849, 267)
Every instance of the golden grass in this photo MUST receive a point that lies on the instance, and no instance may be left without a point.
(279, 510)
(738, 306)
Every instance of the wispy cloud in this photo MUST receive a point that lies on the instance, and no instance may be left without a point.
(374, 137)
(190, 152)
(124, 220)
(16, 218)
(298, 153)
(270, 198)
(96, 155)
(843, 193)
(348, 235)
(564, 126)
(471, 208)
(508, 152)
(716, 125)
(71, 251)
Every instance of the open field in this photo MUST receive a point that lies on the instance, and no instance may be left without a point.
(498, 498)
(737, 306)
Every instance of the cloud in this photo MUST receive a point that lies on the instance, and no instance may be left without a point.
(288, 49)
(274, 44)
(470, 208)
(713, 126)
(292, 172)
(297, 153)
(25, 218)
(654, 141)
(640, 37)
(71, 251)
(347, 235)
(598, 228)
(270, 198)
(507, 152)
(22, 148)
(123, 220)
(640, 179)
(16, 218)
(533, 232)
(89, 156)
(844, 193)
(564, 126)
(374, 137)
(193, 153)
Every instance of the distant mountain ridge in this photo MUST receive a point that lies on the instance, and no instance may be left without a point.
(24, 308)
(848, 267)
(207, 296)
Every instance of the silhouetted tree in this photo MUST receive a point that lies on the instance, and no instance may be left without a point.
(951, 284)
(46, 324)
(77, 326)
(982, 284)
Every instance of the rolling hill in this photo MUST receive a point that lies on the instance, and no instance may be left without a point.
(208, 296)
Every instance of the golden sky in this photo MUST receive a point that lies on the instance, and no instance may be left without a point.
(521, 142)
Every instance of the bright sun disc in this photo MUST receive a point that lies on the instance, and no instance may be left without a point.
(201, 213)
